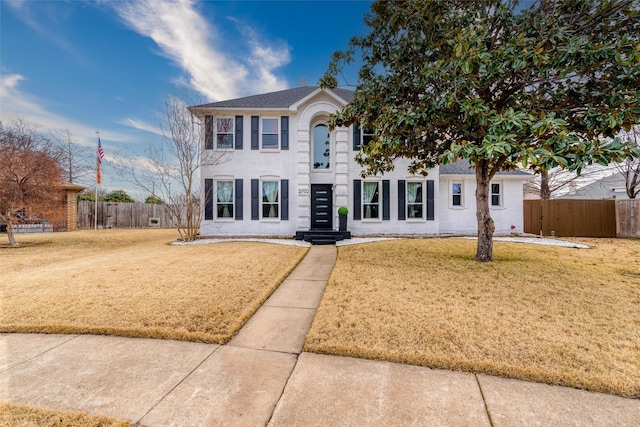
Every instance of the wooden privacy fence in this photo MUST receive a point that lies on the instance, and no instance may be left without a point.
(628, 218)
(123, 215)
(582, 218)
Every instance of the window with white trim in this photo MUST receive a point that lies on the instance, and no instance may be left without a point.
(224, 132)
(496, 194)
(456, 194)
(415, 197)
(224, 199)
(367, 136)
(371, 200)
(270, 199)
(270, 131)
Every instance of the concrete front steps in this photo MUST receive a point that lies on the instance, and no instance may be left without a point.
(322, 237)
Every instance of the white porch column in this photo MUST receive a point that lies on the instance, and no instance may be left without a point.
(303, 208)
(342, 169)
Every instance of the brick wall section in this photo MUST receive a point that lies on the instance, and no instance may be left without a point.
(72, 210)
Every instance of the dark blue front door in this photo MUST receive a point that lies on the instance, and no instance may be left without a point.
(321, 207)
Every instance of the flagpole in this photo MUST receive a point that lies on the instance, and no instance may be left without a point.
(95, 201)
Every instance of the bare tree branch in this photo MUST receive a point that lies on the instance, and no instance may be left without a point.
(29, 177)
(172, 169)
(630, 168)
(75, 160)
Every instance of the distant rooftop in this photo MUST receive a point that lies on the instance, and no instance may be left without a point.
(281, 99)
(463, 167)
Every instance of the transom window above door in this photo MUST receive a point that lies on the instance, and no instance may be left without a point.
(321, 147)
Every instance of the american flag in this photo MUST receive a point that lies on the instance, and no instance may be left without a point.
(100, 151)
(100, 156)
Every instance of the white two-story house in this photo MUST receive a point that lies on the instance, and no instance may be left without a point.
(286, 172)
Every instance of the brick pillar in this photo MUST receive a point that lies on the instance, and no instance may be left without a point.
(72, 210)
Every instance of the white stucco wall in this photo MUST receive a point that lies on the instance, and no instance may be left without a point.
(295, 165)
(462, 219)
(393, 225)
(248, 164)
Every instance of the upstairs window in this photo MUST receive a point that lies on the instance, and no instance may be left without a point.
(361, 136)
(321, 147)
(367, 136)
(270, 134)
(224, 132)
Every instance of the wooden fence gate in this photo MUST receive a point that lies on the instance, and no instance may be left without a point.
(570, 218)
(628, 218)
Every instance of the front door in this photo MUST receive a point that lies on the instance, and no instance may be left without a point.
(321, 207)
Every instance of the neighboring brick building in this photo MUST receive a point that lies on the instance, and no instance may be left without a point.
(70, 201)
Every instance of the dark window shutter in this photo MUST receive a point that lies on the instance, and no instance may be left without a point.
(386, 211)
(255, 132)
(284, 199)
(239, 134)
(284, 132)
(357, 199)
(430, 201)
(208, 199)
(208, 132)
(255, 201)
(401, 199)
(356, 136)
(239, 199)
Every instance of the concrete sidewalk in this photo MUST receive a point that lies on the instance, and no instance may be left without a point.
(260, 378)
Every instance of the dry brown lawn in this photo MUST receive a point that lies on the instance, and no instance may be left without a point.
(133, 283)
(541, 313)
(27, 416)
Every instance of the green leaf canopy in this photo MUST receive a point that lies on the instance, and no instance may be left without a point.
(495, 82)
(501, 84)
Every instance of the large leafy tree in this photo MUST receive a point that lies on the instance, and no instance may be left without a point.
(499, 84)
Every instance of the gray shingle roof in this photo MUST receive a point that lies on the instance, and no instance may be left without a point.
(463, 167)
(281, 99)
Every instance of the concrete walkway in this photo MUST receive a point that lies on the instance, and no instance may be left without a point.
(261, 378)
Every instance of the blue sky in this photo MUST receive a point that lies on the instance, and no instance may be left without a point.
(108, 66)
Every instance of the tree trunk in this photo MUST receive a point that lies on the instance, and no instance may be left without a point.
(486, 227)
(632, 181)
(545, 191)
(12, 239)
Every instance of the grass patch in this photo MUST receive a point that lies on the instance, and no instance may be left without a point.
(27, 416)
(132, 283)
(539, 313)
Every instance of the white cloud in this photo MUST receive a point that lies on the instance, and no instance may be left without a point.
(215, 67)
(9, 82)
(142, 125)
(19, 104)
(263, 59)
